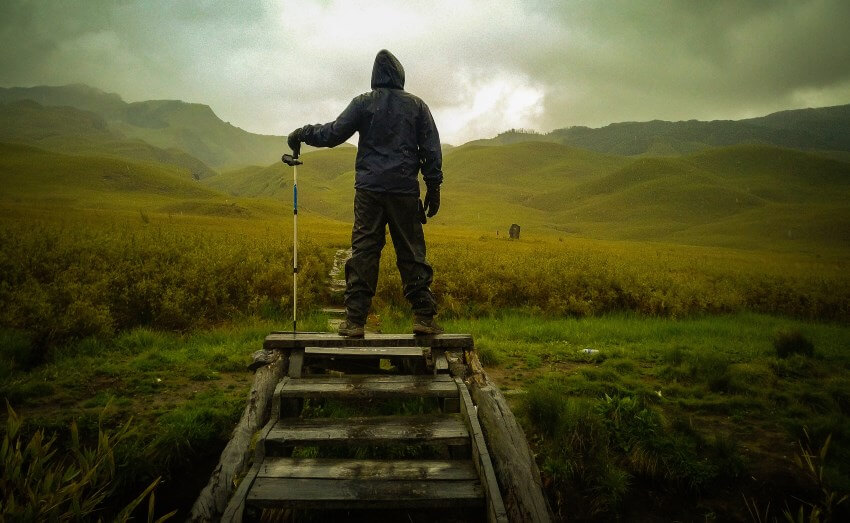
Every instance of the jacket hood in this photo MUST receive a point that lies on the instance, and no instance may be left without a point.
(387, 71)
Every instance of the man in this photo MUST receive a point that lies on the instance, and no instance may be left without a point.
(398, 138)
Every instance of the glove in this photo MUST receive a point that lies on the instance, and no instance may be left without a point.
(294, 142)
(422, 219)
(432, 200)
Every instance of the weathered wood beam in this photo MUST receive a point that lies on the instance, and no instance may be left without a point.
(286, 341)
(516, 469)
(481, 458)
(236, 456)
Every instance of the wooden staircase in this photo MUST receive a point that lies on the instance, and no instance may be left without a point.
(433, 462)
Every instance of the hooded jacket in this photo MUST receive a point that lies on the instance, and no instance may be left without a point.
(398, 137)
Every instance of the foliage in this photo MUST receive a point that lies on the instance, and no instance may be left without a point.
(812, 465)
(583, 278)
(73, 282)
(793, 342)
(595, 449)
(39, 483)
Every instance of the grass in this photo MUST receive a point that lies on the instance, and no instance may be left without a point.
(139, 292)
(183, 392)
(667, 405)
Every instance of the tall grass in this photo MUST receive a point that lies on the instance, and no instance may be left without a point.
(71, 282)
(586, 278)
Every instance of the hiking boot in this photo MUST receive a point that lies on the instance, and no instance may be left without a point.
(349, 329)
(426, 326)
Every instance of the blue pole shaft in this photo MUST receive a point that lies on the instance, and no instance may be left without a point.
(294, 248)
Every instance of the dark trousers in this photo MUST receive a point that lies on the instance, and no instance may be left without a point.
(373, 211)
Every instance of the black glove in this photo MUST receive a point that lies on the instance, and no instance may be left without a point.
(294, 142)
(432, 200)
(422, 219)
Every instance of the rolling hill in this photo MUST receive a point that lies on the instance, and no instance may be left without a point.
(826, 128)
(33, 174)
(706, 183)
(73, 131)
(743, 195)
(193, 128)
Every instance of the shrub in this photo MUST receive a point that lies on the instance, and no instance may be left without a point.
(38, 483)
(792, 342)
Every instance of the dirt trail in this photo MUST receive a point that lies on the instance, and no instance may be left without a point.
(336, 286)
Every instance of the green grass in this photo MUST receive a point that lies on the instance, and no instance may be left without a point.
(667, 404)
(183, 392)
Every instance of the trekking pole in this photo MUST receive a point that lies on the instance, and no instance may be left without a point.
(294, 162)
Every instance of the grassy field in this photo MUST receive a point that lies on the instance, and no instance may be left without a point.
(131, 290)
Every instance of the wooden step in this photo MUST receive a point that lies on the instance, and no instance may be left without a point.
(329, 494)
(441, 429)
(365, 352)
(288, 340)
(369, 386)
(313, 468)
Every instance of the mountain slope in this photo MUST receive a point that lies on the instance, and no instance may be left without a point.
(29, 172)
(194, 128)
(826, 128)
(697, 198)
(74, 131)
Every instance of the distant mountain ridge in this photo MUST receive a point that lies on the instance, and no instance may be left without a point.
(193, 128)
(68, 130)
(826, 129)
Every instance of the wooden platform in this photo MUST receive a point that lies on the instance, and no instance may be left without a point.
(288, 340)
(464, 480)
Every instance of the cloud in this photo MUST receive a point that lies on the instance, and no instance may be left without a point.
(483, 67)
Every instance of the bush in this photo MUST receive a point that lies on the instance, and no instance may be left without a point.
(38, 483)
(792, 342)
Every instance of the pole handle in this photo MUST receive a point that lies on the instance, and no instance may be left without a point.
(290, 160)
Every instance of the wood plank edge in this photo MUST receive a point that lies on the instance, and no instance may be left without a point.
(496, 512)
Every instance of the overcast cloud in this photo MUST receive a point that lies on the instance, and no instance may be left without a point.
(482, 66)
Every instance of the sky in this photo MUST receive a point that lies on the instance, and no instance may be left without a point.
(483, 67)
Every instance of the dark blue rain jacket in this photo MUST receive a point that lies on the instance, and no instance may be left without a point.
(398, 137)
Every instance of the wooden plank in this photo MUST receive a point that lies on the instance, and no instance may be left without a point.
(437, 429)
(216, 496)
(358, 494)
(370, 386)
(288, 340)
(364, 352)
(435, 470)
(363, 379)
(509, 451)
(496, 512)
(441, 365)
(235, 509)
(296, 363)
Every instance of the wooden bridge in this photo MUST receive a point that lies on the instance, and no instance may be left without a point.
(460, 456)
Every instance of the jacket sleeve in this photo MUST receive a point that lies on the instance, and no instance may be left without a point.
(430, 154)
(334, 133)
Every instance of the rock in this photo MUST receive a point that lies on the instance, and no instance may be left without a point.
(514, 231)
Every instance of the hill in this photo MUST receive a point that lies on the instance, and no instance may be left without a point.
(826, 129)
(193, 128)
(32, 174)
(743, 196)
(74, 131)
